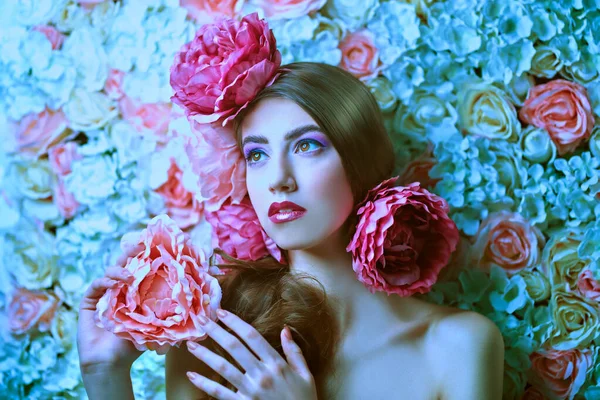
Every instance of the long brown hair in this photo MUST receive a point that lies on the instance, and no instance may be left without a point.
(264, 293)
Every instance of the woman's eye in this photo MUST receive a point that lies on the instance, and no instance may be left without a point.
(254, 156)
(304, 145)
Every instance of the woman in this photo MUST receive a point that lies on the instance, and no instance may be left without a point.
(351, 344)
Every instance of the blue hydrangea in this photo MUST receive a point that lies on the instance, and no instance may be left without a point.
(477, 176)
(396, 29)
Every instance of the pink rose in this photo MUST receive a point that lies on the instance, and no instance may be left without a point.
(54, 36)
(218, 164)
(561, 372)
(30, 308)
(61, 157)
(113, 87)
(35, 133)
(181, 205)
(508, 240)
(146, 117)
(206, 11)
(403, 239)
(418, 170)
(239, 234)
(219, 72)
(563, 109)
(588, 286)
(360, 56)
(64, 200)
(173, 286)
(89, 4)
(285, 9)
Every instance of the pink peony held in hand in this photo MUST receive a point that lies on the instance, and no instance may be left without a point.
(403, 239)
(239, 233)
(224, 67)
(173, 286)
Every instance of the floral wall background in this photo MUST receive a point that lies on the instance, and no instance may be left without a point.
(493, 105)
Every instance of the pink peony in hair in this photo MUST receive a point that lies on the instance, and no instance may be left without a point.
(239, 233)
(218, 164)
(223, 68)
(403, 239)
(173, 286)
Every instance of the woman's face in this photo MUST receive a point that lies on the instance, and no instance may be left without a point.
(300, 166)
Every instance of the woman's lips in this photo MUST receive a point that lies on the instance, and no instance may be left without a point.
(286, 216)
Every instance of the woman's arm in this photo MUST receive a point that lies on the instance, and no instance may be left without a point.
(178, 362)
(471, 347)
(107, 383)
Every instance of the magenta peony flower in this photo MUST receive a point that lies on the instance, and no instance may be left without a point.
(224, 67)
(403, 239)
(218, 164)
(239, 233)
(173, 286)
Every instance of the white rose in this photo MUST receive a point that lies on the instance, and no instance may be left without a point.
(89, 110)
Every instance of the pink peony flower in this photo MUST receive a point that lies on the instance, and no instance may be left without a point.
(35, 133)
(173, 286)
(561, 372)
(563, 109)
(61, 157)
(508, 240)
(206, 11)
(403, 239)
(65, 201)
(30, 308)
(285, 9)
(218, 164)
(360, 56)
(54, 36)
(181, 205)
(239, 234)
(588, 286)
(113, 87)
(146, 117)
(219, 72)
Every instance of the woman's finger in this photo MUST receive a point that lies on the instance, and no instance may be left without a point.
(218, 364)
(294, 355)
(233, 346)
(255, 341)
(211, 388)
(96, 290)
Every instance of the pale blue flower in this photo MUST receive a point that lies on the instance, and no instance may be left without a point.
(508, 294)
(33, 12)
(323, 48)
(546, 23)
(381, 88)
(396, 29)
(84, 48)
(515, 23)
(349, 14)
(294, 30)
(405, 75)
(147, 376)
(455, 31)
(567, 46)
(92, 179)
(584, 70)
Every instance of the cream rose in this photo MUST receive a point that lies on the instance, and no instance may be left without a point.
(536, 145)
(575, 320)
(485, 110)
(546, 62)
(89, 110)
(560, 260)
(538, 285)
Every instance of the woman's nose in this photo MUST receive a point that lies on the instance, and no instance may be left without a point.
(282, 179)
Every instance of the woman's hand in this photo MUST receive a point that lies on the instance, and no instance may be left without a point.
(97, 347)
(267, 377)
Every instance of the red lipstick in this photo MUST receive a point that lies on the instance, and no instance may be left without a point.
(285, 212)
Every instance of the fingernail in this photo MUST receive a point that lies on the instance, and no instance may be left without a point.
(191, 375)
(287, 333)
(203, 320)
(192, 345)
(221, 313)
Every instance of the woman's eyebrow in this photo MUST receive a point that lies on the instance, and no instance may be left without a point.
(291, 135)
